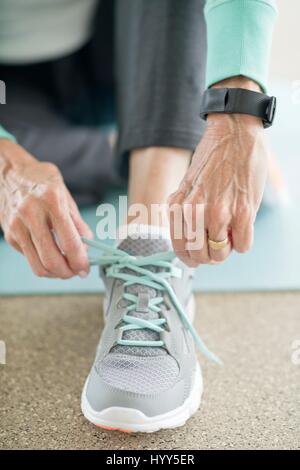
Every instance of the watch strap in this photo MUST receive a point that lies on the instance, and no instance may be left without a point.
(239, 100)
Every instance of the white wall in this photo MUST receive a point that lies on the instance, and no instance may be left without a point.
(285, 58)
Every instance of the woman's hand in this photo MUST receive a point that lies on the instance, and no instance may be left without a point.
(227, 177)
(35, 204)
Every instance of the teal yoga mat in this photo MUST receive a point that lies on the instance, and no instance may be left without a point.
(272, 264)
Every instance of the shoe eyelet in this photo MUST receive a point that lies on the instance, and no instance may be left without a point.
(122, 303)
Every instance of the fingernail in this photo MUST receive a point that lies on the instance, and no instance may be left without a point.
(82, 274)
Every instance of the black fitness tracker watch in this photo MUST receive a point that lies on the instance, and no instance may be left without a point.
(239, 100)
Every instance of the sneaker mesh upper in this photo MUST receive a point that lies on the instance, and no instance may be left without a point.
(136, 374)
(139, 369)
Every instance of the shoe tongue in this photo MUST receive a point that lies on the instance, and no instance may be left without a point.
(142, 247)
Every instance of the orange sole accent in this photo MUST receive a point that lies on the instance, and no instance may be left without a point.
(113, 429)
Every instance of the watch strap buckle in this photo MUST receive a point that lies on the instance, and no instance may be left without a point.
(270, 112)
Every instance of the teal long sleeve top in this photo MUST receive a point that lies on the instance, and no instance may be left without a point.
(239, 38)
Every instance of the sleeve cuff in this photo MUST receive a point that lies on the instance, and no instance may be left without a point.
(239, 39)
(6, 135)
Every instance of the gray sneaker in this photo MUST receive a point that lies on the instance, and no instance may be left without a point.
(146, 375)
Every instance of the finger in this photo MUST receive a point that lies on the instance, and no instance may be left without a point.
(29, 251)
(49, 253)
(219, 255)
(218, 231)
(34, 219)
(196, 234)
(12, 233)
(201, 256)
(82, 227)
(22, 242)
(242, 231)
(195, 227)
(176, 219)
(12, 242)
(71, 244)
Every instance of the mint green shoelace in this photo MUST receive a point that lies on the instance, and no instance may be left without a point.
(117, 260)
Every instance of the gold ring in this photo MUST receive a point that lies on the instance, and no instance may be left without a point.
(218, 245)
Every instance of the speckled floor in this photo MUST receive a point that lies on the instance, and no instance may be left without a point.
(253, 402)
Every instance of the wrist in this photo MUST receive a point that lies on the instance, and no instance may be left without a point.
(234, 121)
(238, 82)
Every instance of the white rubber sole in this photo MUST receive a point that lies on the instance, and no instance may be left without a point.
(133, 420)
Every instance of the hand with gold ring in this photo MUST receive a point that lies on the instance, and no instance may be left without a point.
(226, 178)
